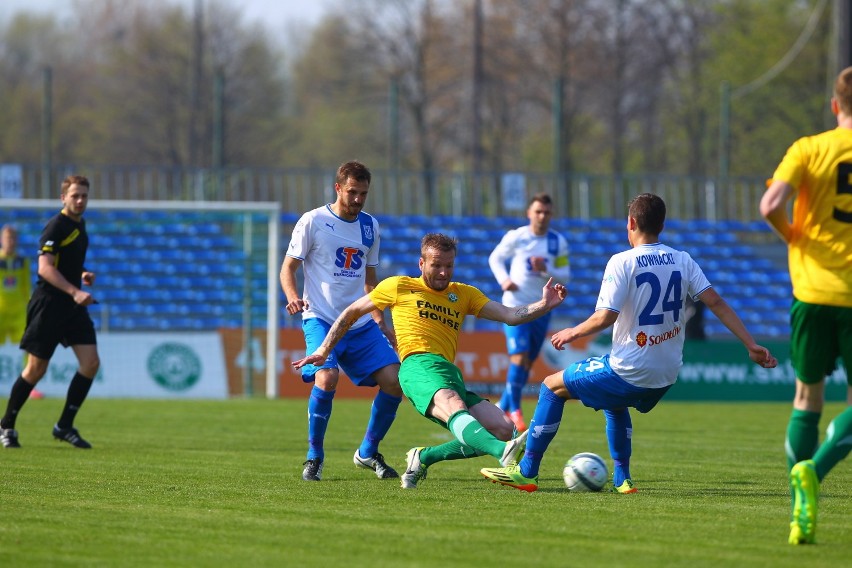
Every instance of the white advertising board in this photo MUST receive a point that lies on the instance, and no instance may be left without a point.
(135, 365)
(514, 186)
(11, 181)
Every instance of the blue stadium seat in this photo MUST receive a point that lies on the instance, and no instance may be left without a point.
(183, 271)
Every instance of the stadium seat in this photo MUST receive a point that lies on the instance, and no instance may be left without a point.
(183, 272)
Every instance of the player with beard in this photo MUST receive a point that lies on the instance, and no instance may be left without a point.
(428, 313)
(338, 247)
(532, 253)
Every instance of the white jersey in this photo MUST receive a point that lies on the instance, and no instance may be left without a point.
(515, 248)
(647, 286)
(335, 255)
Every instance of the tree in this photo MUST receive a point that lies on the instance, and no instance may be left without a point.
(28, 45)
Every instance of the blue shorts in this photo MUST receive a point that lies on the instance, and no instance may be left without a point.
(359, 353)
(527, 338)
(596, 385)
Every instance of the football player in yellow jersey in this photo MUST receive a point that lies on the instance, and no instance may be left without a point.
(817, 173)
(15, 289)
(427, 314)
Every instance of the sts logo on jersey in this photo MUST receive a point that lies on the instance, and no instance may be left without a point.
(349, 258)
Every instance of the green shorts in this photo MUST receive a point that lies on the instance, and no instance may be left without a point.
(423, 374)
(819, 335)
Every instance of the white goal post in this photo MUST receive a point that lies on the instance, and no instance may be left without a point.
(177, 265)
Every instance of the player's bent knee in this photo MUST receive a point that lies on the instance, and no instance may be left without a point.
(554, 381)
(89, 367)
(35, 369)
(388, 380)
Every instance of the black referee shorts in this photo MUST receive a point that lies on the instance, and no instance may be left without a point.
(53, 319)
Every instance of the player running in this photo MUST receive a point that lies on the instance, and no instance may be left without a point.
(58, 313)
(533, 253)
(815, 175)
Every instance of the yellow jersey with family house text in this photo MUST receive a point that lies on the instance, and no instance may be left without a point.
(425, 320)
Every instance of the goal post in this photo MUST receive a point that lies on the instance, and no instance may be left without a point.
(178, 266)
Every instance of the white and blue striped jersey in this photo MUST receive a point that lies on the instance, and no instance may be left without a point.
(647, 285)
(335, 255)
(515, 249)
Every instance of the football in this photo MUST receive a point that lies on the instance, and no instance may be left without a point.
(585, 472)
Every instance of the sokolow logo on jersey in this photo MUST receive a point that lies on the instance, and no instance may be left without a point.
(174, 366)
(643, 339)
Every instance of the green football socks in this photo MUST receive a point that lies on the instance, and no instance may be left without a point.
(837, 443)
(452, 450)
(470, 432)
(802, 436)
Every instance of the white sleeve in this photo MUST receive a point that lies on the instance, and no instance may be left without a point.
(614, 286)
(300, 241)
(561, 269)
(698, 281)
(373, 253)
(500, 256)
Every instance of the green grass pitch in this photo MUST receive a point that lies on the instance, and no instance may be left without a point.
(218, 483)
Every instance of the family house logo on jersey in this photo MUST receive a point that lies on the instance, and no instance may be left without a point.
(174, 366)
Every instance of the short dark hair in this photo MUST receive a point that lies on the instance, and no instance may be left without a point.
(72, 180)
(542, 198)
(437, 241)
(649, 210)
(355, 170)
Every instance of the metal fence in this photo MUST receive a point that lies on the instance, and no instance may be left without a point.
(458, 194)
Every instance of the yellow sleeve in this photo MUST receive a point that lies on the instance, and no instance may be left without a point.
(385, 292)
(793, 166)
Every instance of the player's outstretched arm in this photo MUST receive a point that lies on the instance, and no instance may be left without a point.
(341, 325)
(598, 321)
(551, 296)
(720, 308)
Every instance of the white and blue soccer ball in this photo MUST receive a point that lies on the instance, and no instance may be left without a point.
(585, 472)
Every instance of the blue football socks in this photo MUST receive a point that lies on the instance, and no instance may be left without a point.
(543, 428)
(319, 413)
(381, 417)
(619, 432)
(515, 381)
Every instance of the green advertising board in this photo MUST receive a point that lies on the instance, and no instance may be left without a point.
(721, 370)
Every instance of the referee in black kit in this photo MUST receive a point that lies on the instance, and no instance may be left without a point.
(57, 313)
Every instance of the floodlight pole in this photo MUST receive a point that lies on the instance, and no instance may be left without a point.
(724, 131)
(47, 133)
(843, 22)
